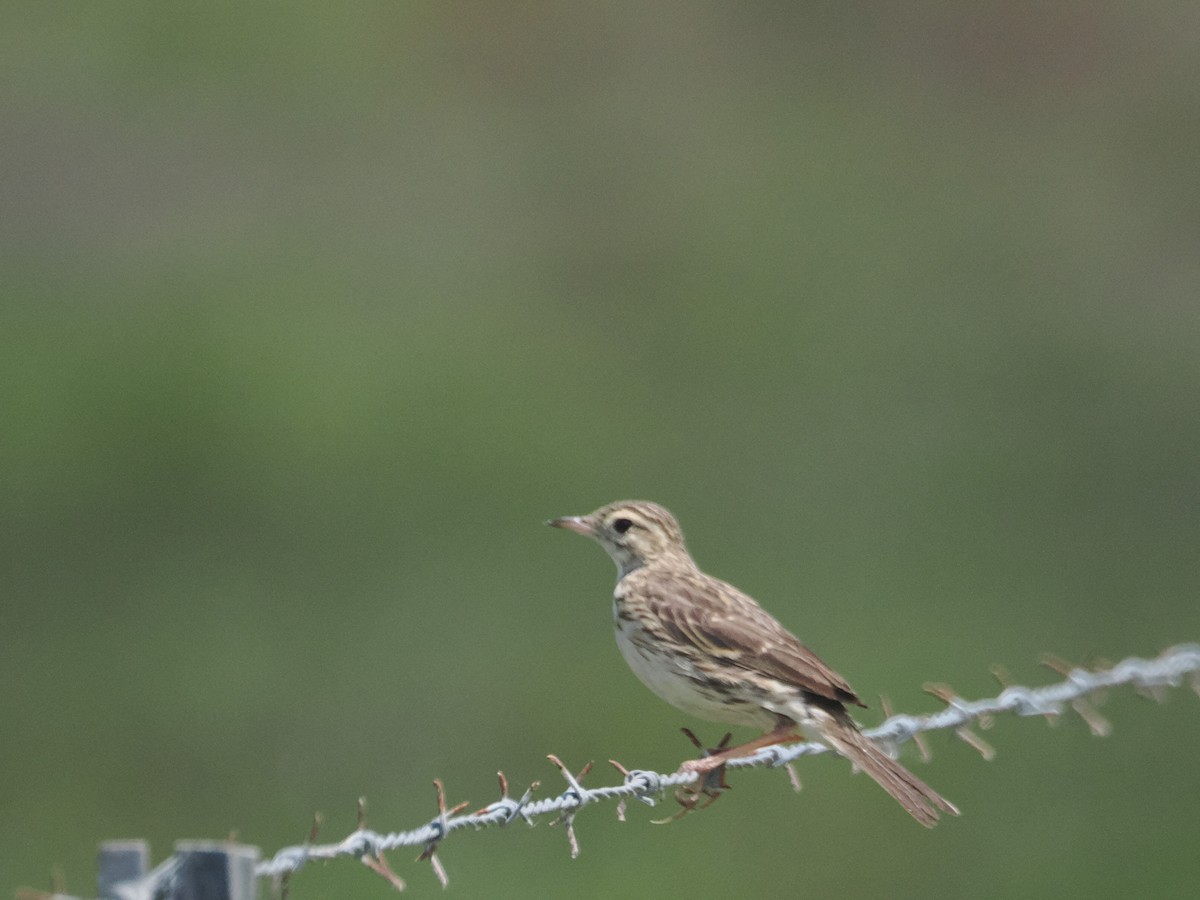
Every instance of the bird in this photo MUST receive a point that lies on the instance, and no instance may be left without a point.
(713, 652)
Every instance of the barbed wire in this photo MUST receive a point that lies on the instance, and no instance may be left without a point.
(1149, 676)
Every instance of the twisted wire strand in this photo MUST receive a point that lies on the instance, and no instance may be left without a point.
(1150, 675)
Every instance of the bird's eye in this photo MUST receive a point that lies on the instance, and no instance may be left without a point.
(620, 526)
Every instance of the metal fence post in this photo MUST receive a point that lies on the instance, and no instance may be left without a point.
(120, 861)
(215, 870)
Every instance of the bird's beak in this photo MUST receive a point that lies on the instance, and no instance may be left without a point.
(578, 524)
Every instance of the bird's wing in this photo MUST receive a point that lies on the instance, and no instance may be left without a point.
(718, 620)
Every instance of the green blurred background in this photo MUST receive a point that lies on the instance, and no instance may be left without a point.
(312, 313)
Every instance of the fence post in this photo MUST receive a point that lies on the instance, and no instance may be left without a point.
(120, 861)
(215, 870)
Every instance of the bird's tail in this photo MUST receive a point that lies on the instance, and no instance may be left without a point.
(920, 800)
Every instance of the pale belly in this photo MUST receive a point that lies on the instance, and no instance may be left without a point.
(674, 680)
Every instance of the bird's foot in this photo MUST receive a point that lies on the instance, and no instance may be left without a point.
(711, 783)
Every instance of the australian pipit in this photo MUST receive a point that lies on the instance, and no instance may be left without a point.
(713, 652)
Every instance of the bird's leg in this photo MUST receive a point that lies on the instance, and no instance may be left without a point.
(714, 772)
(783, 733)
(711, 766)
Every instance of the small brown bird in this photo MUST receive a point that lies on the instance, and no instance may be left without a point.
(713, 652)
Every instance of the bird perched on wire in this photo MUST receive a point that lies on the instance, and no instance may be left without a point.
(710, 650)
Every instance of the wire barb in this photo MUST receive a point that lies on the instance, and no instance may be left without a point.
(506, 808)
(441, 828)
(1085, 706)
(946, 694)
(575, 797)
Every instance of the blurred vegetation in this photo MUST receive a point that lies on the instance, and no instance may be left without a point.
(313, 313)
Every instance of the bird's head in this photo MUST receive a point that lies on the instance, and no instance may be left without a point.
(635, 533)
